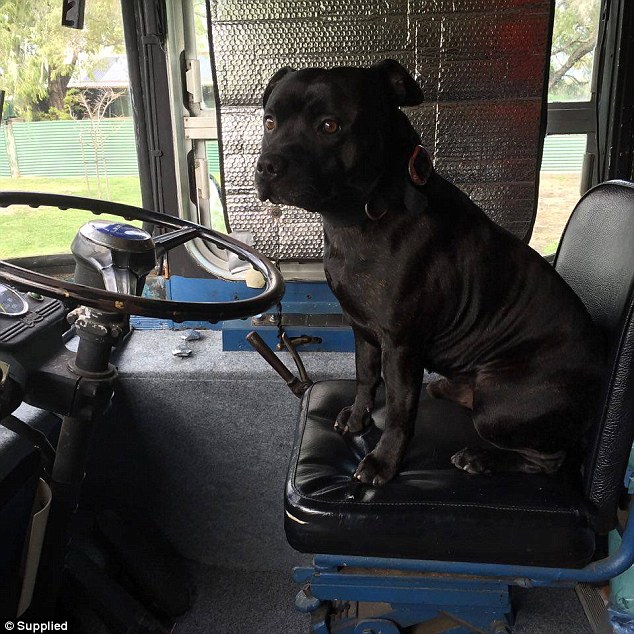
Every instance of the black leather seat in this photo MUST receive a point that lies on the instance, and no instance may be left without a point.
(432, 510)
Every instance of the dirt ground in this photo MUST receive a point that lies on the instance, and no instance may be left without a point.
(558, 194)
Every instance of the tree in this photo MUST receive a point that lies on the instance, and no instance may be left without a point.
(38, 55)
(95, 104)
(574, 39)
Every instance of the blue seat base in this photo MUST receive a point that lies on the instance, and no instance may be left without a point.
(355, 601)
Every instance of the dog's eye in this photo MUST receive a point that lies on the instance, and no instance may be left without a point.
(329, 126)
(269, 123)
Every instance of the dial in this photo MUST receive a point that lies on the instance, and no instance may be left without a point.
(11, 303)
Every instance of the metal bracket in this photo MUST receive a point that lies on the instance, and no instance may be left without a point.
(73, 13)
(317, 320)
(201, 169)
(192, 80)
(200, 128)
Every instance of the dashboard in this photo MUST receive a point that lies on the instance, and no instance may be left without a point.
(25, 316)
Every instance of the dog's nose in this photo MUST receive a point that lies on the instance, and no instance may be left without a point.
(270, 166)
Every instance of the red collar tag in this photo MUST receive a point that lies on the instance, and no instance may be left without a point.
(420, 166)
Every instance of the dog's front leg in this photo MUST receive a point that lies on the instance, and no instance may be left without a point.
(403, 374)
(355, 417)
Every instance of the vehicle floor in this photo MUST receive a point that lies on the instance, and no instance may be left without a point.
(200, 446)
(234, 601)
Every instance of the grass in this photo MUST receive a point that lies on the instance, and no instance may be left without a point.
(25, 231)
(558, 195)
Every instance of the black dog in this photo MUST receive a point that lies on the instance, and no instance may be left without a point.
(426, 278)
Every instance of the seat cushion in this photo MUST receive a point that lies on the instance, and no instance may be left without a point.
(431, 510)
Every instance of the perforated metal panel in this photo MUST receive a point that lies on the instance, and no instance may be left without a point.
(481, 64)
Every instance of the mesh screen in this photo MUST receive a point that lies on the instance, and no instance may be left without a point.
(480, 63)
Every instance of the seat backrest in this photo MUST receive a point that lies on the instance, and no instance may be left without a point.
(596, 258)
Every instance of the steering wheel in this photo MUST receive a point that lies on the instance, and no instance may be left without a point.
(149, 249)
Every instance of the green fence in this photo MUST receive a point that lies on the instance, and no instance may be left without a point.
(564, 153)
(74, 148)
(4, 156)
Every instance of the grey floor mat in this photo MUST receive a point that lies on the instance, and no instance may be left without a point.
(549, 611)
(243, 602)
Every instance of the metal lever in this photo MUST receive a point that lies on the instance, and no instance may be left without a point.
(290, 344)
(297, 386)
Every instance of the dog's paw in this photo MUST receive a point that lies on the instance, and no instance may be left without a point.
(373, 470)
(346, 422)
(474, 460)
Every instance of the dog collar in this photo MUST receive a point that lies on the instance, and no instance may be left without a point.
(420, 169)
(420, 166)
(371, 215)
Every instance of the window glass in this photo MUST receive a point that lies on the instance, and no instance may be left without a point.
(574, 40)
(66, 125)
(559, 183)
(571, 65)
(216, 210)
(202, 49)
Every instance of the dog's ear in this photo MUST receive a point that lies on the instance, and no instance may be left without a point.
(401, 86)
(282, 72)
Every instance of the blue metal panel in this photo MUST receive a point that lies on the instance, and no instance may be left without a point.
(150, 323)
(526, 576)
(300, 297)
(402, 601)
(154, 289)
(193, 289)
(332, 339)
(315, 296)
(402, 589)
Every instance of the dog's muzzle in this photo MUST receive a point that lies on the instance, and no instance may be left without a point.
(269, 168)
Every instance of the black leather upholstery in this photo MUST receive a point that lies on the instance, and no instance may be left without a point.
(431, 510)
(596, 257)
(434, 511)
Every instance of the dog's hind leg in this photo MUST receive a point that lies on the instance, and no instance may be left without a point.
(525, 426)
(488, 460)
(460, 392)
(355, 417)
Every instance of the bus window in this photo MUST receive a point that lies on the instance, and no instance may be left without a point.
(570, 90)
(208, 108)
(67, 125)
